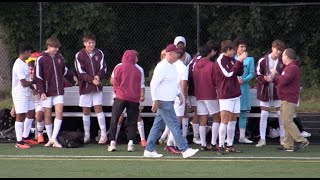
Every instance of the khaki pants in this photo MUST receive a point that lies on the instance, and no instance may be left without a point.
(287, 110)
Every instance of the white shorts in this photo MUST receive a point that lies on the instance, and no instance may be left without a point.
(205, 107)
(37, 103)
(53, 100)
(91, 99)
(232, 105)
(275, 103)
(192, 101)
(179, 109)
(23, 105)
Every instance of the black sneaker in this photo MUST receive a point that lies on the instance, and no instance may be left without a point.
(214, 147)
(300, 145)
(285, 149)
(221, 151)
(232, 149)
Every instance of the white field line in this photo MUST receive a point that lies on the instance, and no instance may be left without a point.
(164, 157)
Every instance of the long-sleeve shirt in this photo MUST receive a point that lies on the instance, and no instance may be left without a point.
(163, 84)
(288, 83)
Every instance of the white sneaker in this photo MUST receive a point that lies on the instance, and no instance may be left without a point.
(56, 144)
(112, 146)
(261, 143)
(282, 140)
(245, 140)
(152, 154)
(103, 140)
(196, 140)
(305, 134)
(131, 148)
(48, 144)
(86, 139)
(189, 152)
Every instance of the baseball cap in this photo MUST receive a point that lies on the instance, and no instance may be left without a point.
(172, 47)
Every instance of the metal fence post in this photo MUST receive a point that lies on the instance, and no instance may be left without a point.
(40, 24)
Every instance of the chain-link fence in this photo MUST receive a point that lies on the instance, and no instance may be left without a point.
(149, 27)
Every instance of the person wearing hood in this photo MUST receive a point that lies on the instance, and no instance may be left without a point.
(91, 68)
(206, 96)
(127, 89)
(50, 71)
(227, 70)
(181, 43)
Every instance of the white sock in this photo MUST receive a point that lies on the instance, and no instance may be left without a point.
(19, 129)
(49, 130)
(215, 132)
(231, 128)
(27, 127)
(165, 133)
(222, 134)
(102, 124)
(40, 126)
(141, 129)
(118, 130)
(86, 124)
(203, 133)
(282, 132)
(195, 128)
(56, 128)
(185, 122)
(130, 143)
(263, 123)
(242, 133)
(170, 141)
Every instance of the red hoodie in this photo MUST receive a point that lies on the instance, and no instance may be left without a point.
(204, 80)
(127, 78)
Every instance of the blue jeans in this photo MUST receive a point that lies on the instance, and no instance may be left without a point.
(166, 116)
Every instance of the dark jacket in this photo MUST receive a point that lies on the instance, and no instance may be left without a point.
(127, 78)
(87, 68)
(190, 67)
(50, 72)
(263, 85)
(227, 70)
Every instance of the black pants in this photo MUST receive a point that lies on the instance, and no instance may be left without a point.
(132, 118)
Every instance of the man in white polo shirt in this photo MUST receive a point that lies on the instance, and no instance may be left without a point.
(163, 92)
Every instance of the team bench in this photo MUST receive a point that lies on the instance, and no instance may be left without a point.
(71, 99)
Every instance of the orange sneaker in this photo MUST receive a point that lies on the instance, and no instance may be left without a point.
(40, 138)
(22, 146)
(143, 142)
(30, 141)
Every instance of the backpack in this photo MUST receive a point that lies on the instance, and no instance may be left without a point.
(6, 120)
(71, 139)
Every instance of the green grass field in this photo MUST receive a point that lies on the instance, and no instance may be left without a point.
(94, 160)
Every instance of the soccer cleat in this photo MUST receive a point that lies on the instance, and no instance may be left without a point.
(30, 141)
(189, 152)
(285, 149)
(221, 151)
(143, 142)
(56, 144)
(232, 149)
(103, 140)
(22, 146)
(112, 146)
(48, 144)
(261, 143)
(205, 148)
(245, 140)
(196, 140)
(300, 146)
(152, 154)
(40, 138)
(214, 147)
